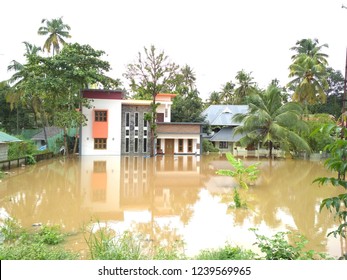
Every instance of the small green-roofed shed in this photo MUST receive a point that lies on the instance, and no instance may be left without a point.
(5, 139)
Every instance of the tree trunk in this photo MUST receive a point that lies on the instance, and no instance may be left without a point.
(75, 145)
(270, 149)
(66, 150)
(153, 126)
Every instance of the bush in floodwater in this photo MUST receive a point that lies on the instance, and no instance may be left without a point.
(278, 248)
(20, 244)
(50, 235)
(227, 252)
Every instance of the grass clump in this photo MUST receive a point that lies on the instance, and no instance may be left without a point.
(227, 252)
(41, 244)
(105, 244)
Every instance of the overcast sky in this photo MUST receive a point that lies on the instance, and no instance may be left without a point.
(216, 38)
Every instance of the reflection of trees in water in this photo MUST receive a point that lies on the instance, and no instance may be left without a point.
(285, 195)
(182, 202)
(289, 188)
(46, 193)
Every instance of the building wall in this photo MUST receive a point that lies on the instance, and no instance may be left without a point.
(195, 137)
(178, 128)
(3, 151)
(114, 108)
(141, 129)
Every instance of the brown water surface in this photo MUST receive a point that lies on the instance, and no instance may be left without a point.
(172, 198)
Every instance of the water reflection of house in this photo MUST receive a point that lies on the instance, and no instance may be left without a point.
(117, 126)
(100, 184)
(113, 186)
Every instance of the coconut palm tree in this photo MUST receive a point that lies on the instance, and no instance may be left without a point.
(227, 93)
(309, 72)
(56, 31)
(214, 98)
(245, 87)
(269, 121)
(189, 77)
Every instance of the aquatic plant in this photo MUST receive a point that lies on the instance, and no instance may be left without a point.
(244, 175)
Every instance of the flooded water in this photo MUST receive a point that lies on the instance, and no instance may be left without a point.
(172, 198)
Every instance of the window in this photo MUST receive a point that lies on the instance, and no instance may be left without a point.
(100, 143)
(190, 145)
(100, 116)
(223, 145)
(180, 145)
(136, 145)
(136, 132)
(127, 132)
(166, 112)
(127, 145)
(145, 145)
(136, 119)
(160, 117)
(127, 119)
(145, 133)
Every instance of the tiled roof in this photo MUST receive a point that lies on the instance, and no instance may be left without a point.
(226, 134)
(223, 114)
(6, 138)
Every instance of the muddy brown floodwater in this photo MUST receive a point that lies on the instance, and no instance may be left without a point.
(169, 198)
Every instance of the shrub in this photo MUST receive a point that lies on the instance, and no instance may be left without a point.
(19, 244)
(278, 248)
(226, 253)
(21, 149)
(207, 146)
(105, 244)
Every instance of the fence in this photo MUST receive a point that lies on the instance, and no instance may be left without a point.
(11, 163)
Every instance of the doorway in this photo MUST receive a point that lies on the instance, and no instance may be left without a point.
(169, 146)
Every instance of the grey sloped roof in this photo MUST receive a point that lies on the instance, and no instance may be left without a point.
(6, 138)
(226, 134)
(50, 131)
(223, 114)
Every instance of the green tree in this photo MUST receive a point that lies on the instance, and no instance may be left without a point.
(337, 162)
(333, 104)
(269, 121)
(309, 72)
(187, 108)
(56, 30)
(227, 93)
(214, 98)
(148, 76)
(56, 83)
(185, 80)
(244, 87)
